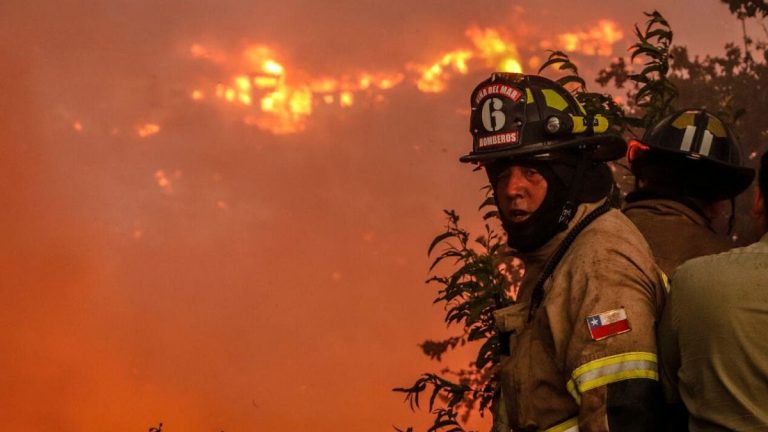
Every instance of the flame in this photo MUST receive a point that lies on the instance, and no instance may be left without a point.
(272, 67)
(346, 99)
(148, 130)
(598, 40)
(490, 46)
(434, 77)
(497, 52)
(279, 103)
(77, 126)
(277, 98)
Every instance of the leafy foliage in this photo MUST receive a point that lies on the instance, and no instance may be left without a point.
(747, 8)
(656, 92)
(469, 294)
(733, 85)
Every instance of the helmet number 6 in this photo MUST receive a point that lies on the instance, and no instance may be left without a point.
(493, 116)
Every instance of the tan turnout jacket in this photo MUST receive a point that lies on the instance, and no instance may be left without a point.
(555, 378)
(675, 232)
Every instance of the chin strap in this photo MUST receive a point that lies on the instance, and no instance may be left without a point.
(569, 208)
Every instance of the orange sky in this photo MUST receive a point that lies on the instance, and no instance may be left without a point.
(167, 259)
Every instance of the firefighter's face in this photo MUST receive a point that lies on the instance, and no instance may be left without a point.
(520, 191)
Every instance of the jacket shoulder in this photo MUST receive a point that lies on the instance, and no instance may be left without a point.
(613, 231)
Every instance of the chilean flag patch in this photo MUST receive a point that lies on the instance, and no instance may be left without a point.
(608, 324)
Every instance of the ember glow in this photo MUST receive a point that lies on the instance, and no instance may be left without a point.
(165, 180)
(147, 130)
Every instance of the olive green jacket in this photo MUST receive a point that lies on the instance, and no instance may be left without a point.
(713, 348)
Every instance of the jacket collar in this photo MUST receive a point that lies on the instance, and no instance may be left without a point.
(669, 207)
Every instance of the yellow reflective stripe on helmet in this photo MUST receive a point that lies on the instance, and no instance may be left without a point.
(528, 95)
(684, 120)
(612, 369)
(570, 425)
(554, 100)
(599, 124)
(716, 127)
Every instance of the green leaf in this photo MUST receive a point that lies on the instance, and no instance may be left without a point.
(550, 62)
(489, 201)
(571, 79)
(437, 240)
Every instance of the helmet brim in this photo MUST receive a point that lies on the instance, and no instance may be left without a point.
(715, 180)
(607, 147)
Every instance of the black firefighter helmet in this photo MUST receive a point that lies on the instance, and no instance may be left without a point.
(523, 116)
(694, 150)
(533, 121)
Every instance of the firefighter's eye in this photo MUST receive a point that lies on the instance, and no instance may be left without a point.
(531, 173)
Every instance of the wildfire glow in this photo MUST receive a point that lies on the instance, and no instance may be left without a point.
(497, 51)
(273, 67)
(490, 46)
(434, 77)
(346, 99)
(281, 105)
(148, 130)
(277, 98)
(200, 52)
(597, 40)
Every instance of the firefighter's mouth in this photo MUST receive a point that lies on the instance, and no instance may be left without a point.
(516, 215)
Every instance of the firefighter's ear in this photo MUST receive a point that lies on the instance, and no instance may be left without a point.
(758, 204)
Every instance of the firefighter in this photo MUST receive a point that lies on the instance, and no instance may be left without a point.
(684, 168)
(579, 343)
(714, 362)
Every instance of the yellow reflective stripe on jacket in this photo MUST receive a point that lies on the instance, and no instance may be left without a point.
(665, 280)
(611, 369)
(570, 425)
